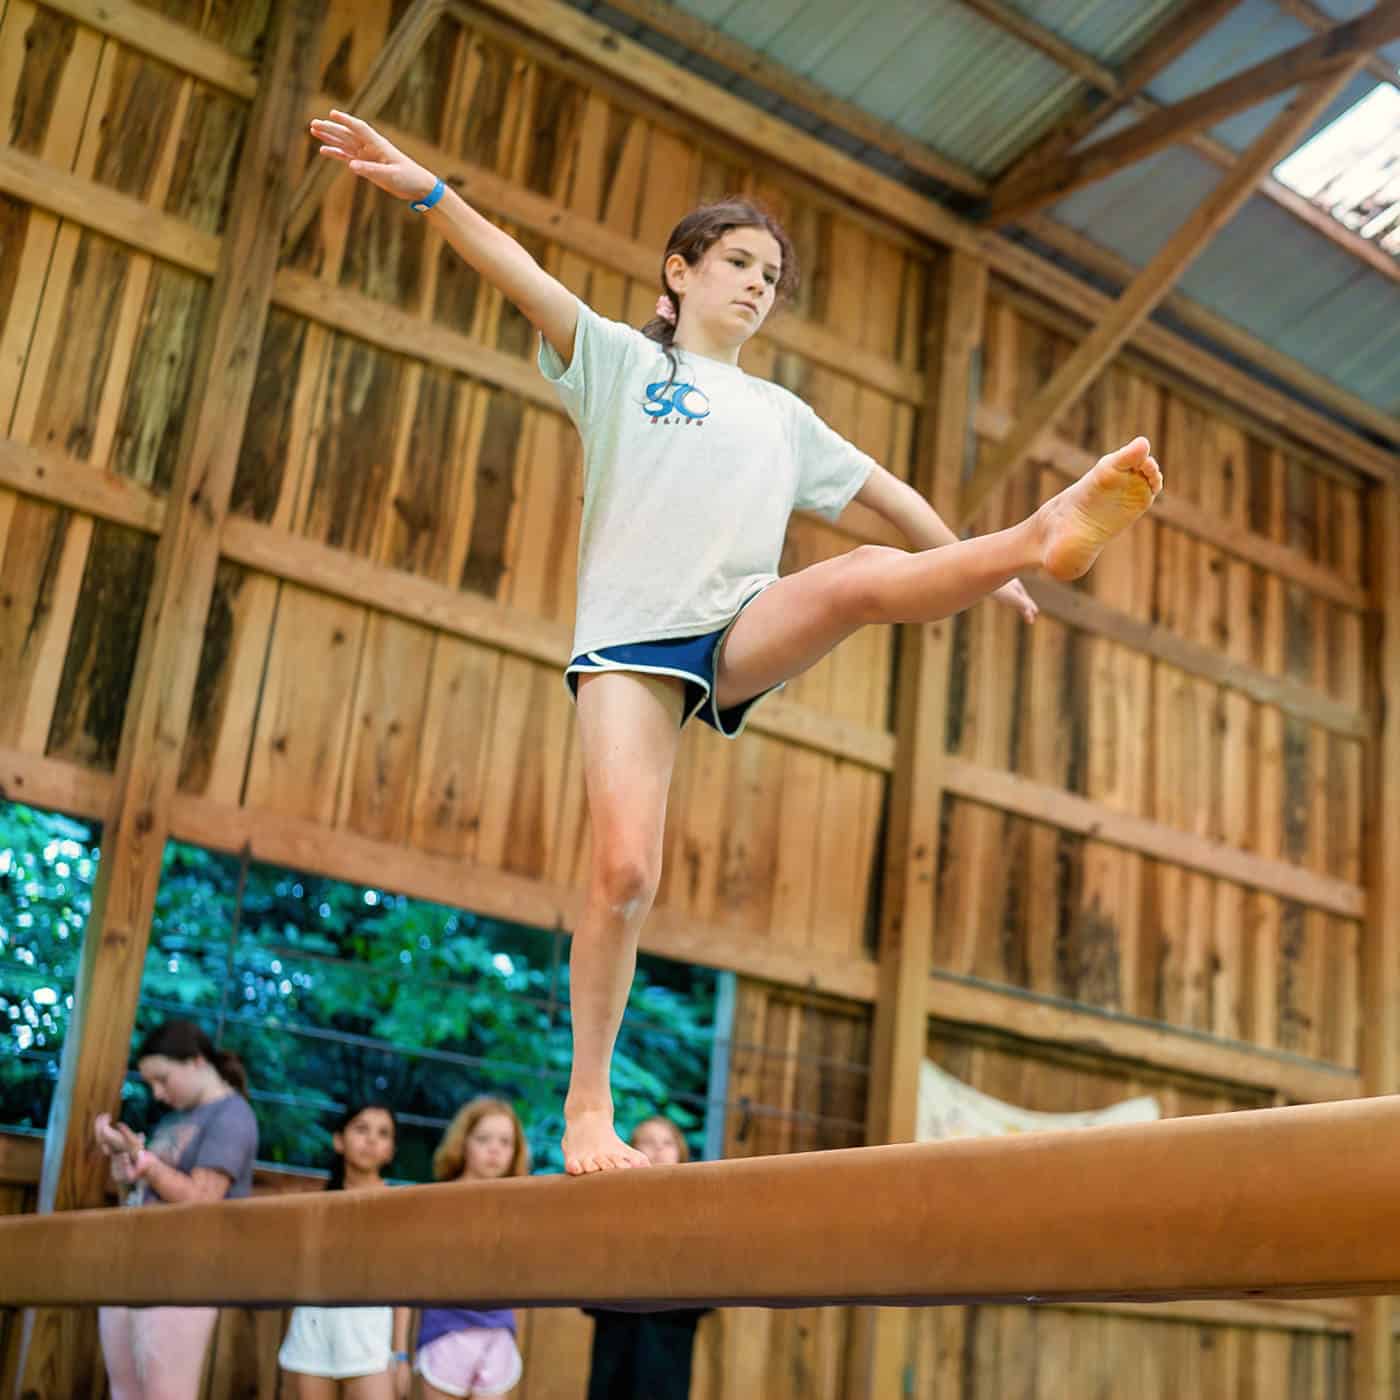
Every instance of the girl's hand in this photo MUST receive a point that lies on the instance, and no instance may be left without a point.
(403, 1380)
(108, 1139)
(132, 1143)
(358, 145)
(1014, 595)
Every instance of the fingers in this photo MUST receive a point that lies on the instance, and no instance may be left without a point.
(361, 129)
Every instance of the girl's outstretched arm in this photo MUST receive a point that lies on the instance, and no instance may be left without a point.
(543, 300)
(924, 528)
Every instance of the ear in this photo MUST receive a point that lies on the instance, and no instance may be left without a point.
(675, 272)
(338, 1142)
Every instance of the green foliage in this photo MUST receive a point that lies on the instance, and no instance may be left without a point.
(333, 994)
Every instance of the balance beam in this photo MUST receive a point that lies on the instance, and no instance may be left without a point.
(1277, 1203)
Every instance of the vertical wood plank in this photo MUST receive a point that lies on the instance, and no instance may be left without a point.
(1374, 1370)
(907, 932)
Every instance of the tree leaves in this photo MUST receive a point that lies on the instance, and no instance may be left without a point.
(333, 994)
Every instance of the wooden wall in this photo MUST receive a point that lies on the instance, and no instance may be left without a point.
(1150, 874)
(1208, 680)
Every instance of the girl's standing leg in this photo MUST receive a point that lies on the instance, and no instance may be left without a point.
(794, 623)
(114, 1327)
(378, 1387)
(169, 1344)
(629, 729)
(303, 1387)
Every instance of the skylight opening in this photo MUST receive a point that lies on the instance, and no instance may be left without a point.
(1351, 168)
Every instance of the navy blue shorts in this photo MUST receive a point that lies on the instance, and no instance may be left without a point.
(691, 659)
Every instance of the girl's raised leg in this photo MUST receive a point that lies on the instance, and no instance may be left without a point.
(801, 617)
(629, 729)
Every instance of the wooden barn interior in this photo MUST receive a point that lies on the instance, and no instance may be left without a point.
(288, 533)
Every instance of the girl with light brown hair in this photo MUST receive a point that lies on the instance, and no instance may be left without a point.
(472, 1351)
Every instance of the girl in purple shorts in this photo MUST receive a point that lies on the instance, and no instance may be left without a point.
(691, 470)
(467, 1351)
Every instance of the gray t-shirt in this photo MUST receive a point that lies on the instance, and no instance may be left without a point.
(222, 1135)
(687, 487)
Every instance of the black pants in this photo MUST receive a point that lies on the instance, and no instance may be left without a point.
(642, 1356)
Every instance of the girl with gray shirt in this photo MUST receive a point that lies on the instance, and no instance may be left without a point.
(202, 1150)
(691, 467)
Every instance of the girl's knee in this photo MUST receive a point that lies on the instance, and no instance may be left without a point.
(625, 881)
(858, 585)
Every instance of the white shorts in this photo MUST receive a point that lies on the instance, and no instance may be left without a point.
(338, 1342)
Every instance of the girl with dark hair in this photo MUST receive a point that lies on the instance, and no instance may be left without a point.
(646, 1355)
(358, 1353)
(691, 470)
(202, 1150)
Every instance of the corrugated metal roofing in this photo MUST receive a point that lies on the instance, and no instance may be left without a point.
(980, 96)
(1264, 271)
(934, 68)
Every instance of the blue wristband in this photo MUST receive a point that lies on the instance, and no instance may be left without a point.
(400, 1356)
(431, 198)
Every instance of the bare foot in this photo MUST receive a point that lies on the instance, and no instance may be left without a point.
(591, 1145)
(1077, 523)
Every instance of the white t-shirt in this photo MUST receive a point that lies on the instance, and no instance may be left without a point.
(687, 488)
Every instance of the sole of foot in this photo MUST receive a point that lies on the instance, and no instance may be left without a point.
(1109, 497)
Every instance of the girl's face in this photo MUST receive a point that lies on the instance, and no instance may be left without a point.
(657, 1143)
(367, 1141)
(180, 1083)
(731, 290)
(490, 1147)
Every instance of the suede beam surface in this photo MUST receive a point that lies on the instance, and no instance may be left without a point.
(1285, 1202)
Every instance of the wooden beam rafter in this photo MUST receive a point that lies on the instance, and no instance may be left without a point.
(1153, 283)
(1044, 40)
(714, 44)
(1342, 49)
(1102, 99)
(130, 221)
(1107, 264)
(1318, 20)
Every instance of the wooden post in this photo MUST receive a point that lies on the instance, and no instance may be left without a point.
(946, 447)
(1373, 1347)
(1150, 286)
(138, 819)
